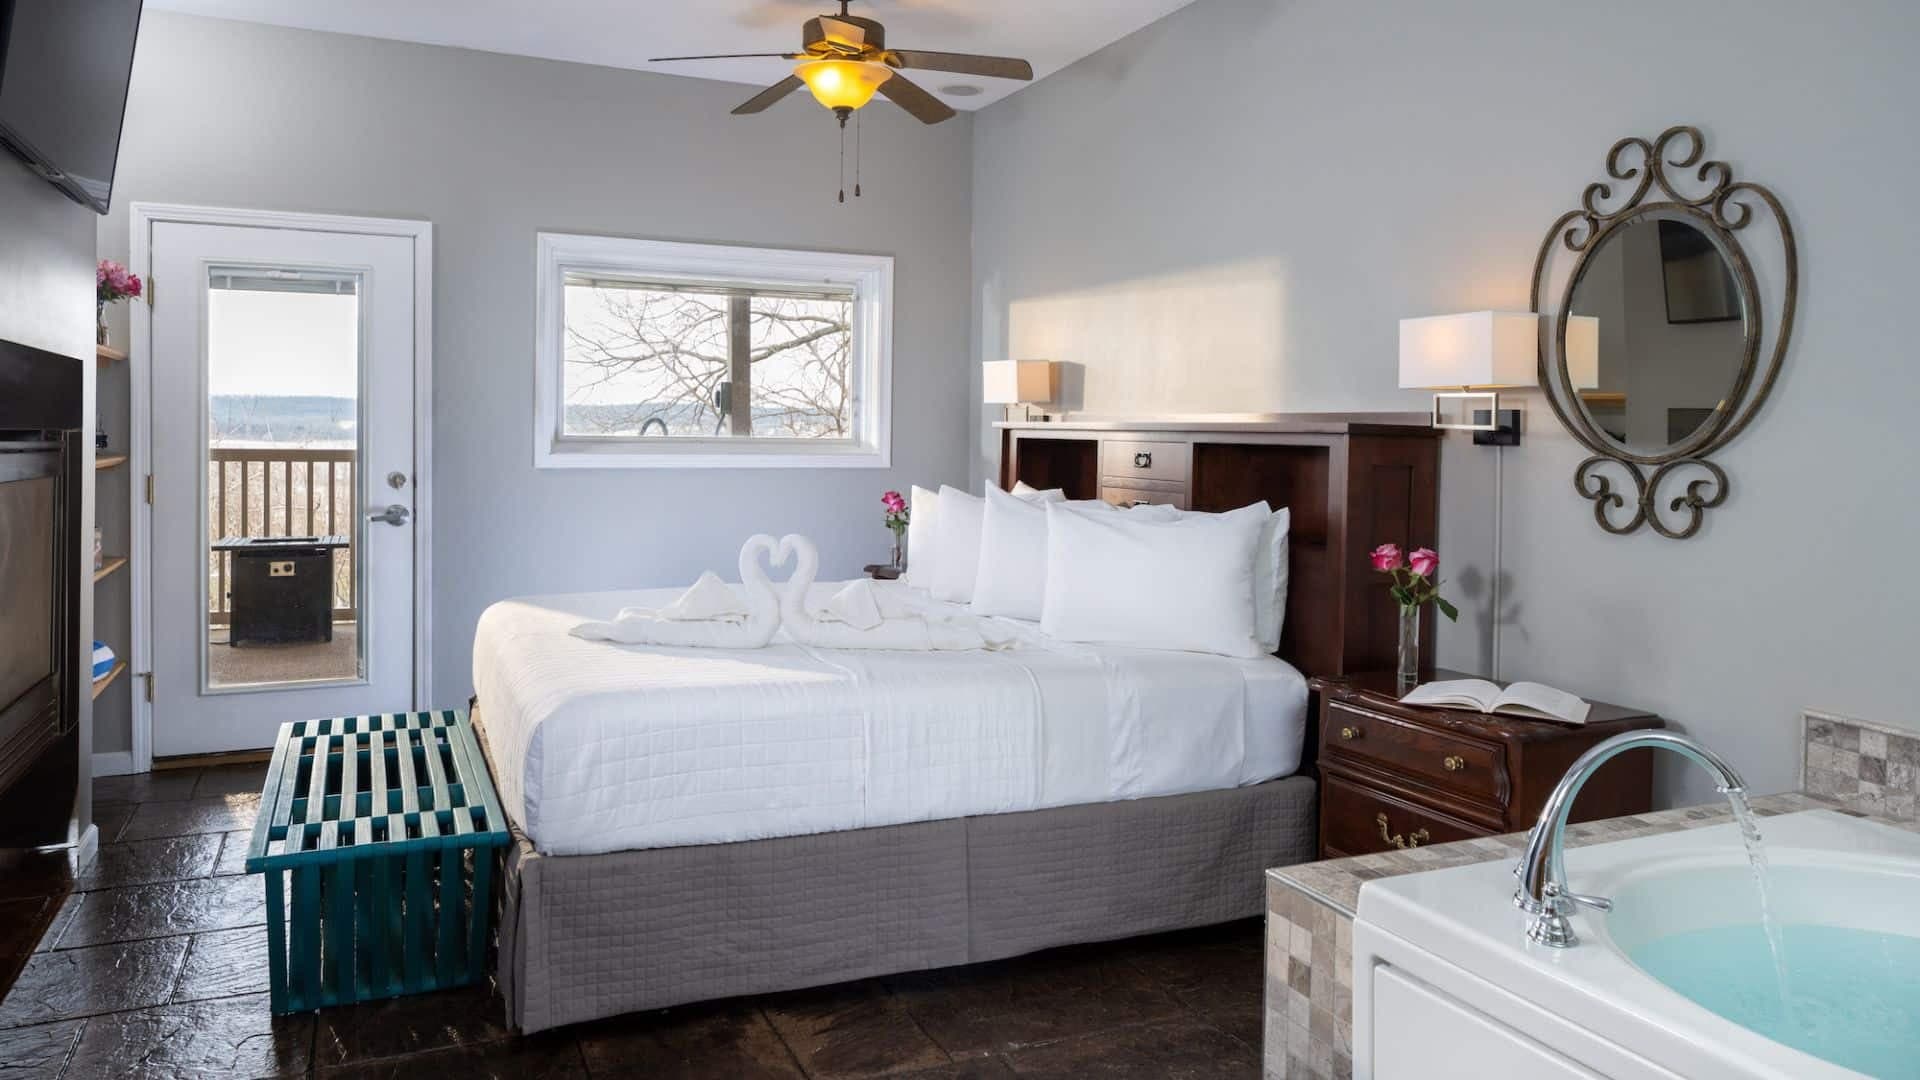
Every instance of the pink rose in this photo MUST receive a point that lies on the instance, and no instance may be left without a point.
(1424, 561)
(1386, 557)
(133, 284)
(892, 501)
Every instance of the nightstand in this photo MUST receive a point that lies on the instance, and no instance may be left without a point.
(1398, 776)
(882, 571)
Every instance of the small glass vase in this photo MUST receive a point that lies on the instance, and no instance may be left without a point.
(1409, 670)
(100, 325)
(897, 558)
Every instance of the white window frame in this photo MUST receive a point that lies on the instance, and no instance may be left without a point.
(869, 276)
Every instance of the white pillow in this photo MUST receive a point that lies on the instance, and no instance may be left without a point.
(922, 531)
(1270, 579)
(1269, 567)
(958, 544)
(1012, 579)
(1150, 582)
(1033, 494)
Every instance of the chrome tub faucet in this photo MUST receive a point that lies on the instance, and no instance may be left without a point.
(1542, 870)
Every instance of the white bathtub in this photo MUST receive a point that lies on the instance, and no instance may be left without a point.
(1445, 983)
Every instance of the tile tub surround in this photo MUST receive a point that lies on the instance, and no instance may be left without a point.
(1862, 766)
(1308, 1030)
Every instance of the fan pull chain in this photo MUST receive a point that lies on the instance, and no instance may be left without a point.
(843, 159)
(856, 155)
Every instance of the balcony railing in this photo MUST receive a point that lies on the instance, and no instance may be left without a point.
(274, 491)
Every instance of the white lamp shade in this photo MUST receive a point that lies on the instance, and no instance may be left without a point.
(1016, 382)
(1477, 349)
(1583, 352)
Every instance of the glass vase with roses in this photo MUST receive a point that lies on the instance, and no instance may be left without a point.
(897, 517)
(1413, 583)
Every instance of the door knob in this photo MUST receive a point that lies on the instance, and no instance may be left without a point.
(394, 514)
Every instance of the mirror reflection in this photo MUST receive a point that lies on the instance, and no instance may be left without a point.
(1657, 333)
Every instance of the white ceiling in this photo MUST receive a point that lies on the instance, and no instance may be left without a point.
(624, 33)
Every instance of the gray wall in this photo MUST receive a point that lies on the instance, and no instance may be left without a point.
(1231, 209)
(46, 301)
(492, 149)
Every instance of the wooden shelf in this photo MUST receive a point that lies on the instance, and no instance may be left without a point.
(1602, 399)
(108, 566)
(100, 685)
(107, 354)
(108, 461)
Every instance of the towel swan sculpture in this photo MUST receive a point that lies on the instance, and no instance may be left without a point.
(859, 616)
(762, 605)
(863, 616)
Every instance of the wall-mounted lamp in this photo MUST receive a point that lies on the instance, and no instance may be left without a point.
(1018, 382)
(1468, 359)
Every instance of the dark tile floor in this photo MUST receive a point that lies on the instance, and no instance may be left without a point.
(156, 966)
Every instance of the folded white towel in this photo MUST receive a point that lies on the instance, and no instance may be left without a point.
(711, 614)
(864, 616)
(863, 605)
(708, 600)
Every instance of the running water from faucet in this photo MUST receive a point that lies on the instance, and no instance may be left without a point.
(1757, 859)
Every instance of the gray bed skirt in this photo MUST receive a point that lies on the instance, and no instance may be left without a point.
(589, 936)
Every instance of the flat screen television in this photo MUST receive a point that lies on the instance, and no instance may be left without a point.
(64, 66)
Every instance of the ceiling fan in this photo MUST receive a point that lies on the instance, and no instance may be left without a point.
(845, 61)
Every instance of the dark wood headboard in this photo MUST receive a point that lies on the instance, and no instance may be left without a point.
(1352, 480)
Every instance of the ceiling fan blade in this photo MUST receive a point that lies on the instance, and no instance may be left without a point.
(998, 67)
(771, 94)
(923, 106)
(730, 56)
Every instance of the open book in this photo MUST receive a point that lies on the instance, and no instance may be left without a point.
(1535, 701)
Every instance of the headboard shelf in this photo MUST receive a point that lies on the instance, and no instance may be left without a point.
(1351, 480)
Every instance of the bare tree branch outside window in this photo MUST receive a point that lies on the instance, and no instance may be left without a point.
(641, 360)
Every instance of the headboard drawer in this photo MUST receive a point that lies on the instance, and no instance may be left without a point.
(1169, 495)
(1127, 459)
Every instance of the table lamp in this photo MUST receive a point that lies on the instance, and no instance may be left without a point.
(1017, 382)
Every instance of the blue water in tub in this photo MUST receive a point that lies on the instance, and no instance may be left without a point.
(1855, 994)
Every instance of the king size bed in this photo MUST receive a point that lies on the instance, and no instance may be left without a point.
(697, 823)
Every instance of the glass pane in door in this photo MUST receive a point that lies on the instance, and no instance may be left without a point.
(284, 571)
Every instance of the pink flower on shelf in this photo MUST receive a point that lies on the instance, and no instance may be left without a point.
(893, 502)
(1424, 561)
(1386, 557)
(113, 282)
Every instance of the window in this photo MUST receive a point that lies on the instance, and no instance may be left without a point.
(655, 354)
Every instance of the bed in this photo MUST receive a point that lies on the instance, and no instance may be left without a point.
(693, 824)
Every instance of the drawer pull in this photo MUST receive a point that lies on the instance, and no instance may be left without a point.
(1143, 460)
(1411, 840)
(1454, 762)
(1349, 733)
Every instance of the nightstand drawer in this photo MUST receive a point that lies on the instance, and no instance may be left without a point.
(1355, 820)
(1124, 460)
(1443, 760)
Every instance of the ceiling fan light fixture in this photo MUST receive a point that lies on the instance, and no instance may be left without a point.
(843, 84)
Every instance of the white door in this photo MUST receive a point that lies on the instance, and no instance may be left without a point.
(282, 456)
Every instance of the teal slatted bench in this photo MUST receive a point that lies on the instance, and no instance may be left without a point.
(389, 828)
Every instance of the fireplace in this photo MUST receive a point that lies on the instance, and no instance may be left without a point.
(41, 492)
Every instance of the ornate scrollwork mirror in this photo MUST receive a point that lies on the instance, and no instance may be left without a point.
(1651, 350)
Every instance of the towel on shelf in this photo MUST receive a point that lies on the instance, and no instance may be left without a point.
(710, 614)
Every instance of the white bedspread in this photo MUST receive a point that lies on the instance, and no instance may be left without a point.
(603, 747)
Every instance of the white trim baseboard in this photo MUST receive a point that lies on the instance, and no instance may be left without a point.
(114, 763)
(87, 849)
